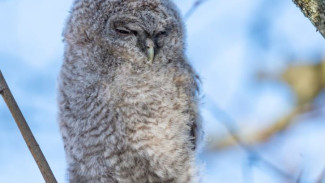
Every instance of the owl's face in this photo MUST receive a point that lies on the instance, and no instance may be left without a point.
(136, 31)
(145, 33)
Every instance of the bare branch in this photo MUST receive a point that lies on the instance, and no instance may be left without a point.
(263, 135)
(299, 178)
(26, 132)
(315, 11)
(194, 7)
(228, 122)
(321, 177)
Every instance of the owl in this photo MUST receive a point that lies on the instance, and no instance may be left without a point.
(128, 98)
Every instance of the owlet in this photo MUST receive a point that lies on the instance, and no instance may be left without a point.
(128, 98)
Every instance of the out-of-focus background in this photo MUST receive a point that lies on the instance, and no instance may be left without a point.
(262, 66)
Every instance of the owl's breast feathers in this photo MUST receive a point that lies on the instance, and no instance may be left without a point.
(159, 111)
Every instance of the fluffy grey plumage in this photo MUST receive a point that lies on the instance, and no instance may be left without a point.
(127, 96)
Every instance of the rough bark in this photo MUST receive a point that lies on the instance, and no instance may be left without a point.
(315, 11)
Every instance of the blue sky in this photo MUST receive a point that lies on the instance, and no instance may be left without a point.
(228, 42)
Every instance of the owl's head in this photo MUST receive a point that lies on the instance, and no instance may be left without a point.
(137, 31)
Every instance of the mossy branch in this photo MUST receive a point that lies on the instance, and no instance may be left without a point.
(315, 11)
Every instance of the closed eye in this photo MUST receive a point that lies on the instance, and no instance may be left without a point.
(161, 33)
(123, 31)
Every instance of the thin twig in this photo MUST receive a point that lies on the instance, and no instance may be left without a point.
(228, 122)
(299, 178)
(26, 132)
(194, 7)
(321, 177)
(247, 172)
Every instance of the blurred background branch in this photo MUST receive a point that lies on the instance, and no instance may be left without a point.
(253, 156)
(279, 113)
(321, 178)
(194, 7)
(306, 83)
(262, 135)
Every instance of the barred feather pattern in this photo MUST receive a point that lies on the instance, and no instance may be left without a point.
(124, 120)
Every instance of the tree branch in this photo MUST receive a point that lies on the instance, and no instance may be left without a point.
(194, 7)
(321, 177)
(228, 122)
(26, 132)
(315, 11)
(265, 134)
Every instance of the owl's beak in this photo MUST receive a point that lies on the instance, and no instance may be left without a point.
(150, 49)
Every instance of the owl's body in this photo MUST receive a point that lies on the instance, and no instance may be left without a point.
(127, 115)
